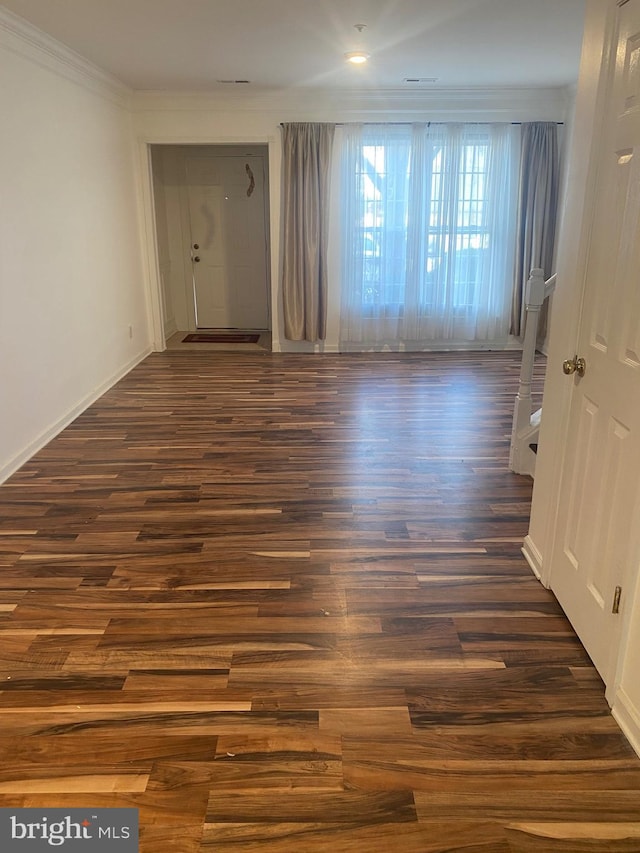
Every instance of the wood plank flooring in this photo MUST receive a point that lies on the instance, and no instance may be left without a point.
(277, 603)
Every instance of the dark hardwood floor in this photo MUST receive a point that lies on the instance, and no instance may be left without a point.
(277, 603)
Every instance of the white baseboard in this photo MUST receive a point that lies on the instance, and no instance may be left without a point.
(393, 346)
(303, 347)
(533, 556)
(628, 718)
(45, 437)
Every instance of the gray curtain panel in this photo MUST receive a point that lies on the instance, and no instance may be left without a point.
(537, 214)
(307, 151)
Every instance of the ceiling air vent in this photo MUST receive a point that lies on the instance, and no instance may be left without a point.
(233, 82)
(420, 79)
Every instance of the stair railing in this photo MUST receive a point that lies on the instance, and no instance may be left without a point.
(526, 423)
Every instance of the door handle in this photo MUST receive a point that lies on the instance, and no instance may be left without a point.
(196, 260)
(574, 365)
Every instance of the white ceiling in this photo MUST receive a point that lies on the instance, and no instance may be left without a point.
(189, 45)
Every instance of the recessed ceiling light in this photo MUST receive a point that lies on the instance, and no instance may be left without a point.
(356, 56)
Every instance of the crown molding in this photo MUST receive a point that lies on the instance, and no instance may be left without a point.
(426, 103)
(21, 37)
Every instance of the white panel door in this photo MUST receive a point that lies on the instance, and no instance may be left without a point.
(228, 241)
(594, 544)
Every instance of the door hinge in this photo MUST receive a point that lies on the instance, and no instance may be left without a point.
(616, 600)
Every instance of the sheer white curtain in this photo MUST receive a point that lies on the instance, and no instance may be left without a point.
(428, 230)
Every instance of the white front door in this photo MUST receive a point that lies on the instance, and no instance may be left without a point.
(594, 545)
(228, 241)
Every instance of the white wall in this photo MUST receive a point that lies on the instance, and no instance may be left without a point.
(626, 703)
(71, 279)
(173, 245)
(256, 118)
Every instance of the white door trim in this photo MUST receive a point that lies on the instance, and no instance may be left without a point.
(147, 217)
(150, 257)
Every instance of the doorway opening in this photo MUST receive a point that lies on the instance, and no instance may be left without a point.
(212, 230)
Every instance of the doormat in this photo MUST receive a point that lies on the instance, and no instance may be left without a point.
(220, 338)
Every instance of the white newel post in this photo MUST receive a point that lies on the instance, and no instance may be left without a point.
(520, 456)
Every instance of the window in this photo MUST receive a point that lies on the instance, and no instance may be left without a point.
(457, 251)
(428, 231)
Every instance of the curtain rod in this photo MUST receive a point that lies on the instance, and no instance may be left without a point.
(406, 123)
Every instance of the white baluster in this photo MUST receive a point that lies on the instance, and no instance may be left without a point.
(521, 457)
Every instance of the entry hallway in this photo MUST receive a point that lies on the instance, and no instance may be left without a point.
(277, 603)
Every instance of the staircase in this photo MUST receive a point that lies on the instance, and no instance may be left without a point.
(526, 422)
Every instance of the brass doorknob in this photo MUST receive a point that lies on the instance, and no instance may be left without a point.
(574, 365)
